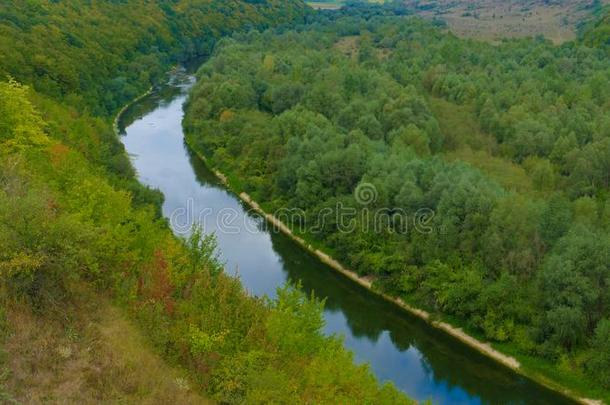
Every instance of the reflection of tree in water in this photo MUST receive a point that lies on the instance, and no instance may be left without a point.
(362, 315)
(446, 360)
(161, 97)
(204, 176)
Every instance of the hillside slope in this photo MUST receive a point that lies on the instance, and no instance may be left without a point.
(597, 33)
(71, 213)
(101, 54)
(88, 353)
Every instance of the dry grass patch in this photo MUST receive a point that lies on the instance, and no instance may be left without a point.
(348, 46)
(86, 354)
(509, 175)
(492, 20)
(459, 126)
(467, 142)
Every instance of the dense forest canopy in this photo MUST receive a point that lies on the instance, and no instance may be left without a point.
(71, 211)
(508, 145)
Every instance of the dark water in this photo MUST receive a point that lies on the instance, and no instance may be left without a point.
(419, 360)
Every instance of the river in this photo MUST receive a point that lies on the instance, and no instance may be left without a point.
(420, 360)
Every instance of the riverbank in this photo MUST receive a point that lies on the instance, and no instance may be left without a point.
(117, 117)
(482, 347)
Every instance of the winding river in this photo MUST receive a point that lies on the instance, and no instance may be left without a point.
(418, 359)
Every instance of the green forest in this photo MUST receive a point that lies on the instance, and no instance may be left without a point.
(505, 149)
(73, 214)
(501, 151)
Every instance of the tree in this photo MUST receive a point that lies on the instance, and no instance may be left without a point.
(598, 364)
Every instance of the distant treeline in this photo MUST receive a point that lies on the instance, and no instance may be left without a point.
(101, 54)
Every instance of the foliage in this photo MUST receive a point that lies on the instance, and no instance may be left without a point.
(97, 56)
(597, 32)
(62, 222)
(103, 54)
(71, 211)
(306, 117)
